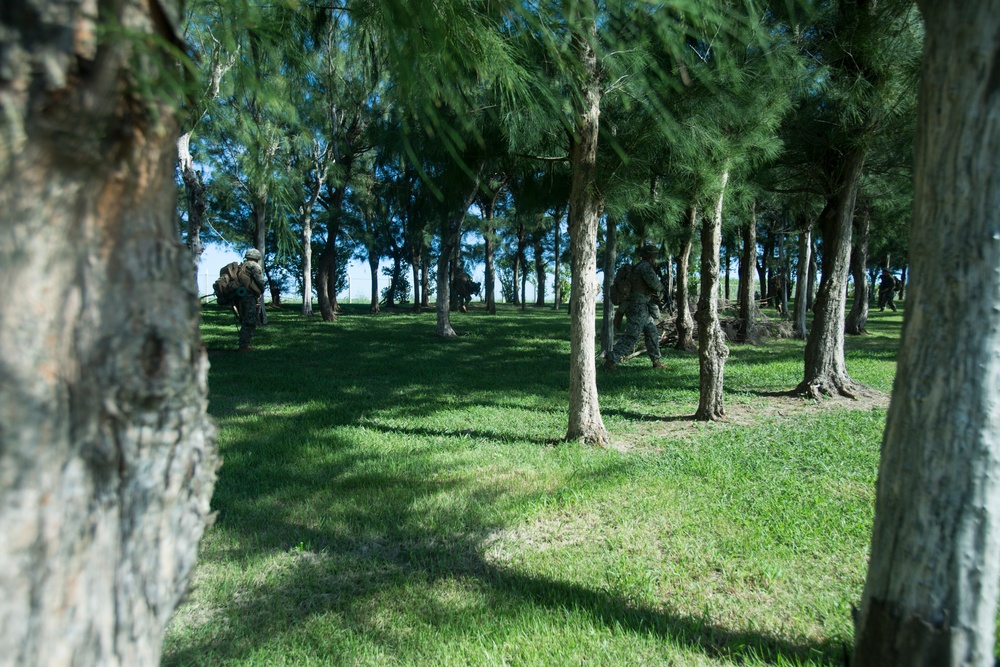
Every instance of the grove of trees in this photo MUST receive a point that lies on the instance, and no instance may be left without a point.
(806, 139)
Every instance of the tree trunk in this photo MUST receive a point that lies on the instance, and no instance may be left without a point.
(450, 239)
(195, 194)
(585, 422)
(825, 371)
(802, 280)
(539, 272)
(610, 260)
(857, 319)
(685, 322)
(415, 261)
(307, 310)
(108, 456)
(557, 285)
(425, 285)
(729, 263)
(931, 593)
(902, 279)
(747, 294)
(373, 274)
(712, 349)
(490, 276)
(811, 288)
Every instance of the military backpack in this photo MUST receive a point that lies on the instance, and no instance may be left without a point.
(621, 286)
(233, 283)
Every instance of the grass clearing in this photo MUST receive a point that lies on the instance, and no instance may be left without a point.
(391, 498)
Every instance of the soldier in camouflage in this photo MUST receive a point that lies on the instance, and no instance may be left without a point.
(642, 310)
(251, 276)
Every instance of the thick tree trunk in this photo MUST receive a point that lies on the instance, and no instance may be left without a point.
(326, 271)
(108, 456)
(802, 281)
(825, 370)
(585, 422)
(931, 593)
(857, 319)
(610, 260)
(195, 195)
(712, 349)
(557, 277)
(746, 295)
(685, 322)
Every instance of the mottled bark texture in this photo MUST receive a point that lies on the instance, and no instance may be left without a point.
(712, 349)
(825, 370)
(585, 422)
(684, 321)
(194, 190)
(857, 319)
(107, 455)
(931, 593)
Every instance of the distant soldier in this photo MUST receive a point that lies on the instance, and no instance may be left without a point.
(251, 278)
(887, 290)
(642, 310)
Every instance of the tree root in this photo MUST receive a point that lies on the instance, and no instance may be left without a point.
(829, 387)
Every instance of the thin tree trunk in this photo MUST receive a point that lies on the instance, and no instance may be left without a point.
(825, 370)
(585, 422)
(813, 268)
(729, 263)
(749, 311)
(415, 261)
(305, 214)
(685, 322)
(857, 319)
(373, 273)
(802, 280)
(930, 597)
(902, 279)
(450, 239)
(557, 286)
(610, 261)
(539, 272)
(108, 455)
(195, 194)
(425, 283)
(712, 349)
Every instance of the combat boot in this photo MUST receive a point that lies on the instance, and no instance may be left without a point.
(658, 364)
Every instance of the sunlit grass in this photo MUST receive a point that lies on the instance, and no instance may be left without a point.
(391, 498)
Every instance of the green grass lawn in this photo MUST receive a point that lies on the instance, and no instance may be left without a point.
(391, 498)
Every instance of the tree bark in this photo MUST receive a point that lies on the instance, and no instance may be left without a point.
(712, 349)
(685, 322)
(746, 295)
(930, 597)
(373, 273)
(610, 261)
(802, 280)
(108, 456)
(450, 238)
(557, 285)
(857, 319)
(825, 370)
(195, 195)
(585, 422)
(539, 254)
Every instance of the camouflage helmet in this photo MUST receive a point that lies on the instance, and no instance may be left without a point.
(253, 254)
(649, 250)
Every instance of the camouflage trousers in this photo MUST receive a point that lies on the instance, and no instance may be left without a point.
(247, 307)
(639, 322)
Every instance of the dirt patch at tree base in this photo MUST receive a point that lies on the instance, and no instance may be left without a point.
(763, 407)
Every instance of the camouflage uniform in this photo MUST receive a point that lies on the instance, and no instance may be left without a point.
(248, 304)
(642, 312)
(886, 291)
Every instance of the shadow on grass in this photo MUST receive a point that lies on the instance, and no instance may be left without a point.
(376, 546)
(380, 550)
